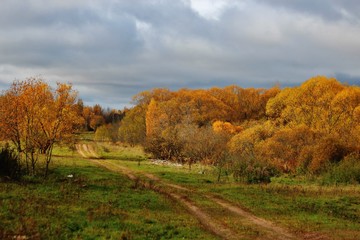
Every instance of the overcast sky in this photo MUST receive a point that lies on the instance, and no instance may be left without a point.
(112, 49)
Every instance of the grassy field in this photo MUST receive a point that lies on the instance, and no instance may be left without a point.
(93, 204)
(306, 207)
(99, 204)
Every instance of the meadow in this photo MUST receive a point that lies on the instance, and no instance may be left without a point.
(80, 200)
(310, 207)
(92, 204)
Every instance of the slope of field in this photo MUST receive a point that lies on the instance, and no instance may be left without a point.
(273, 211)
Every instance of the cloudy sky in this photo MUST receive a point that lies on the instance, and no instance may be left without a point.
(112, 49)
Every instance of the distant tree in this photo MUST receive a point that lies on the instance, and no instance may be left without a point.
(108, 132)
(96, 121)
(158, 94)
(132, 128)
(203, 144)
(94, 117)
(113, 116)
(102, 133)
(155, 119)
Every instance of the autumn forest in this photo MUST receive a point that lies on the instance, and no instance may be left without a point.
(250, 134)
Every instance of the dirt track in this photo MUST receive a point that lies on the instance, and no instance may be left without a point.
(178, 194)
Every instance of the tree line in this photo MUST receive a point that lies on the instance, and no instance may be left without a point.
(250, 133)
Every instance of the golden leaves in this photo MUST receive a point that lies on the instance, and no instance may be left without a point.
(34, 116)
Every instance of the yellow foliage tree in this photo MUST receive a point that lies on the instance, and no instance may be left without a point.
(156, 119)
(245, 142)
(225, 127)
(42, 117)
(132, 129)
(321, 103)
(285, 148)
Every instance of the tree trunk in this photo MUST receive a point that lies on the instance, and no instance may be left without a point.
(219, 175)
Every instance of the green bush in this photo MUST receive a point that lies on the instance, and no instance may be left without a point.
(10, 166)
(346, 171)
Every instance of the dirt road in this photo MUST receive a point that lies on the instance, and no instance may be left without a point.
(179, 194)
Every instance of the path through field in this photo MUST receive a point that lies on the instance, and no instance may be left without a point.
(86, 151)
(179, 194)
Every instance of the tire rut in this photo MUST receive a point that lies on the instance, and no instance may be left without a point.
(266, 225)
(205, 219)
(271, 230)
(87, 151)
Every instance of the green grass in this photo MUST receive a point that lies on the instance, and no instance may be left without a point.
(136, 159)
(120, 152)
(300, 204)
(302, 209)
(93, 204)
(98, 204)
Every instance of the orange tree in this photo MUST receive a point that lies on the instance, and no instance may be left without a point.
(33, 116)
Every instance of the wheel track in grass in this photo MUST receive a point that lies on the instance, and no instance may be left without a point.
(270, 229)
(206, 220)
(86, 151)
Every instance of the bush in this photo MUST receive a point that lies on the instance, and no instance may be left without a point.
(254, 172)
(107, 132)
(163, 148)
(347, 171)
(10, 166)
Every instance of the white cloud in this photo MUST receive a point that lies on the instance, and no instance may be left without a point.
(213, 9)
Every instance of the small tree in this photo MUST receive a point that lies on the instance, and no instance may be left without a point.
(34, 117)
(132, 128)
(108, 132)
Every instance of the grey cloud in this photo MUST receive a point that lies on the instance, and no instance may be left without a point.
(331, 10)
(102, 41)
(349, 79)
(111, 50)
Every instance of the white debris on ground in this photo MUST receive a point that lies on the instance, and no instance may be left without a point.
(165, 163)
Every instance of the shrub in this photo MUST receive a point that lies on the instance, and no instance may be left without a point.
(253, 171)
(163, 148)
(10, 166)
(346, 171)
(284, 148)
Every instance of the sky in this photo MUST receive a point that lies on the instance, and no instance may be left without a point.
(111, 50)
